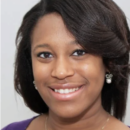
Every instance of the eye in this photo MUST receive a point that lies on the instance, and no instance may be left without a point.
(45, 55)
(79, 52)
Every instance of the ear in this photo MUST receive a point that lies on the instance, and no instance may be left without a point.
(106, 69)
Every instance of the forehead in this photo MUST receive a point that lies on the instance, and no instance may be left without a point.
(51, 28)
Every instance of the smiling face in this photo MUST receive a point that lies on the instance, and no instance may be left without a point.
(56, 61)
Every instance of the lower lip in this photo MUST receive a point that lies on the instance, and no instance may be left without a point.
(68, 96)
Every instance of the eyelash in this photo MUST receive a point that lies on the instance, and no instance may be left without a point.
(78, 50)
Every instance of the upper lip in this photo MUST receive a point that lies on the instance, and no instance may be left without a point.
(65, 86)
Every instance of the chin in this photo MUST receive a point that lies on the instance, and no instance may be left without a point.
(68, 113)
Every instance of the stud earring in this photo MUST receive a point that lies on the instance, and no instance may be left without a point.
(109, 78)
(34, 85)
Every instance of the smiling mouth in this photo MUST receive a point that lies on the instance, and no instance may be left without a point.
(66, 91)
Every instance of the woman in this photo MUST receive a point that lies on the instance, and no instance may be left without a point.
(72, 65)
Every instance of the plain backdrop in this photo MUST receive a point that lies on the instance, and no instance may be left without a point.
(13, 108)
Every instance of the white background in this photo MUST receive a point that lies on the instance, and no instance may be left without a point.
(13, 108)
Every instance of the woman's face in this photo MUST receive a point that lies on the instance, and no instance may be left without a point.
(62, 67)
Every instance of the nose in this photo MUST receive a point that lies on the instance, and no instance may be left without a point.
(62, 69)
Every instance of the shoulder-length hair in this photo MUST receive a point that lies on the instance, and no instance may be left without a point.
(100, 27)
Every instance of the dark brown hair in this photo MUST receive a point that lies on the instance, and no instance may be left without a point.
(100, 27)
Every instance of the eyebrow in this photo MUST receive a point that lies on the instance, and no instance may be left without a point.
(45, 45)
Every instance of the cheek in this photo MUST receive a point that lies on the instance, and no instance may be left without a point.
(41, 72)
(94, 73)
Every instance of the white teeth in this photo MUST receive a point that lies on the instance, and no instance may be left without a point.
(56, 90)
(77, 88)
(61, 91)
(73, 89)
(65, 90)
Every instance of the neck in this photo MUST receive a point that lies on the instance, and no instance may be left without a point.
(91, 119)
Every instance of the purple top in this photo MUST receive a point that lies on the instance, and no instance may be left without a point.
(21, 125)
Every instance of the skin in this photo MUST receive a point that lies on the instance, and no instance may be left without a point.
(63, 65)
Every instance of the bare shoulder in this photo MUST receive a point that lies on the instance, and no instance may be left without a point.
(115, 124)
(37, 123)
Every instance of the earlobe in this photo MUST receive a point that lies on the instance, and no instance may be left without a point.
(107, 70)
